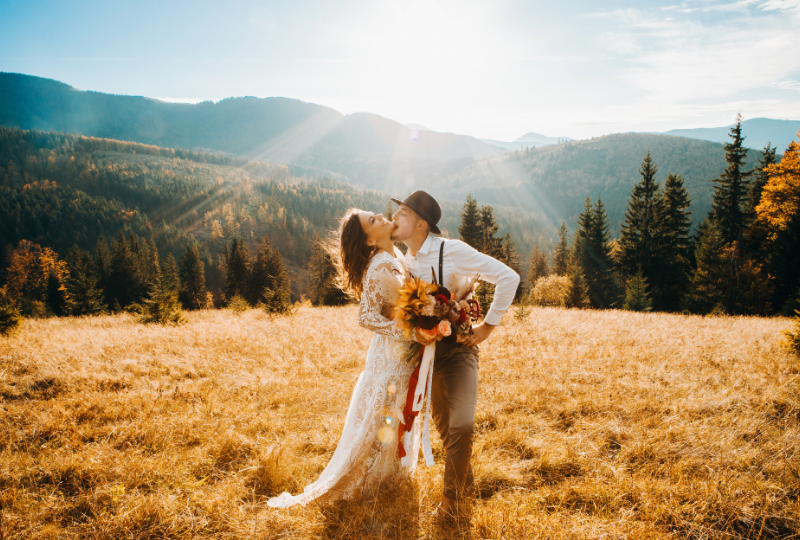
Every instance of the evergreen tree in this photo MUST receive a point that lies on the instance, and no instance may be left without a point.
(278, 298)
(510, 257)
(636, 296)
(641, 240)
(162, 305)
(538, 266)
(470, 228)
(577, 292)
(388, 213)
(102, 264)
(489, 244)
(192, 292)
(709, 283)
(123, 275)
(675, 244)
(260, 276)
(322, 288)
(169, 274)
(149, 265)
(730, 207)
(761, 177)
(593, 255)
(237, 275)
(10, 317)
(561, 256)
(84, 294)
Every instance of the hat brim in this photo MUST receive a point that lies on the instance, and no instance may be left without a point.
(434, 228)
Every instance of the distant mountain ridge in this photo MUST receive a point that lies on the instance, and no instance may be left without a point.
(529, 140)
(275, 129)
(757, 131)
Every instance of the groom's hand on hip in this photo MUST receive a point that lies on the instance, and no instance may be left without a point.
(479, 334)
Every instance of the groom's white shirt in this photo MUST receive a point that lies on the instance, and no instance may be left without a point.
(462, 259)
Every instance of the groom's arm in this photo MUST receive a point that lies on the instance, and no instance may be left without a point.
(468, 261)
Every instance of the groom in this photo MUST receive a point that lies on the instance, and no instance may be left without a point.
(454, 393)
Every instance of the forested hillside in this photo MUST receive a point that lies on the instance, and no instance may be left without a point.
(555, 180)
(60, 189)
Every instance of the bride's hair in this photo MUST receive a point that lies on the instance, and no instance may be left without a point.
(350, 253)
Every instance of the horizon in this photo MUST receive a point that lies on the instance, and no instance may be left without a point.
(491, 72)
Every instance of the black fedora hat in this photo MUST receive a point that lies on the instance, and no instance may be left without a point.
(425, 206)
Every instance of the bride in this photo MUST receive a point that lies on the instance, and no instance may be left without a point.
(368, 455)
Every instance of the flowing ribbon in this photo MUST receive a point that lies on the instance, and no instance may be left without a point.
(421, 380)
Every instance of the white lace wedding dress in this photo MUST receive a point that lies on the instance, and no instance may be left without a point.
(367, 458)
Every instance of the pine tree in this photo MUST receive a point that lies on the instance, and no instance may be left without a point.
(593, 255)
(641, 240)
(761, 177)
(730, 206)
(510, 257)
(675, 244)
(636, 296)
(238, 270)
(538, 266)
(489, 244)
(260, 277)
(561, 256)
(162, 305)
(102, 264)
(169, 274)
(322, 288)
(389, 212)
(278, 298)
(470, 228)
(123, 275)
(577, 292)
(192, 292)
(149, 265)
(10, 317)
(84, 294)
(709, 283)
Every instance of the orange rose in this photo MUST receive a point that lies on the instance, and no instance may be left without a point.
(430, 335)
(443, 328)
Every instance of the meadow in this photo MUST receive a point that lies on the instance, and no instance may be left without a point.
(591, 424)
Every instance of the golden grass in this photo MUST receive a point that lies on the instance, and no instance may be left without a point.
(590, 425)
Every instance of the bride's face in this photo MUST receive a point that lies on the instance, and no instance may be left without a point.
(377, 228)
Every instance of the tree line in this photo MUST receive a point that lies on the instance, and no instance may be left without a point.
(128, 274)
(743, 259)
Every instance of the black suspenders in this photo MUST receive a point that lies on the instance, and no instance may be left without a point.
(441, 258)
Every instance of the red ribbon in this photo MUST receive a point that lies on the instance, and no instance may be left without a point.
(408, 412)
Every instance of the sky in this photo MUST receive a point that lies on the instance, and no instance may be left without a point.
(495, 69)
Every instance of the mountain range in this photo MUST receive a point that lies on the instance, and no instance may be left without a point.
(544, 176)
(758, 132)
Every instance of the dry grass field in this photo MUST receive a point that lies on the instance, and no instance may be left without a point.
(590, 425)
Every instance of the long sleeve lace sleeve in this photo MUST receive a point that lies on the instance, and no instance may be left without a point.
(375, 298)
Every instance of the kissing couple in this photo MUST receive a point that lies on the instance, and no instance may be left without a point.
(371, 455)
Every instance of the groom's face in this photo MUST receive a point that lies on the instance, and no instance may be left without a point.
(406, 221)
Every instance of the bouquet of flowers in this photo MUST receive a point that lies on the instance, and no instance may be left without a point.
(440, 314)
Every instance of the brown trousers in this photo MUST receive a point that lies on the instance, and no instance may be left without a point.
(454, 395)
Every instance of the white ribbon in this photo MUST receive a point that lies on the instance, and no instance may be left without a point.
(426, 429)
(424, 368)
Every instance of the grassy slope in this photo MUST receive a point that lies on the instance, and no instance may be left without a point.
(590, 424)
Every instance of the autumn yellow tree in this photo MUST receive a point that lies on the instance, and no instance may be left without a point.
(780, 198)
(36, 279)
(778, 214)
